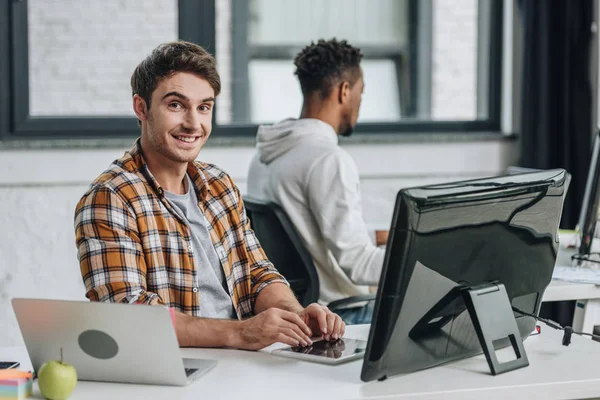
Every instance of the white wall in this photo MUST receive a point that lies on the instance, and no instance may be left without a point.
(103, 42)
(454, 60)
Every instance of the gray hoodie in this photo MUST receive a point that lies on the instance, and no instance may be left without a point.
(275, 140)
(300, 166)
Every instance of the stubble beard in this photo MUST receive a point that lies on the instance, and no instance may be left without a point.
(159, 145)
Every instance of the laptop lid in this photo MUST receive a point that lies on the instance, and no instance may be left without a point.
(107, 342)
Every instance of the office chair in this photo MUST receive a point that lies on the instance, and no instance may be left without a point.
(284, 248)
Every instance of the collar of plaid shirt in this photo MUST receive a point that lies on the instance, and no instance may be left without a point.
(133, 247)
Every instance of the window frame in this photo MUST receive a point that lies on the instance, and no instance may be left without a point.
(5, 82)
(17, 124)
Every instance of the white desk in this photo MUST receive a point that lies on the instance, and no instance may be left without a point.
(555, 372)
(587, 306)
(561, 290)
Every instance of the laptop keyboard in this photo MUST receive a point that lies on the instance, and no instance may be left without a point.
(189, 371)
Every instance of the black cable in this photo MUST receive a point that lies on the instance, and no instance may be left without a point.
(585, 257)
(568, 331)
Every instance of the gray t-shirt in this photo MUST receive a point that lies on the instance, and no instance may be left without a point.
(215, 301)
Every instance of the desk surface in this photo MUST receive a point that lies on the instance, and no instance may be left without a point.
(555, 371)
(561, 290)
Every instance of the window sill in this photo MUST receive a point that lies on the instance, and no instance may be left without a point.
(246, 141)
(429, 137)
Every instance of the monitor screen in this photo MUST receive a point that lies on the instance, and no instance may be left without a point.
(502, 229)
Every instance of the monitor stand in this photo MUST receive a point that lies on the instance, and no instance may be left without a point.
(492, 317)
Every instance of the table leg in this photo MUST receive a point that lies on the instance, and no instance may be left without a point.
(587, 315)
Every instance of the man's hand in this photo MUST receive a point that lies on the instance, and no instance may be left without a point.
(320, 320)
(271, 326)
(381, 238)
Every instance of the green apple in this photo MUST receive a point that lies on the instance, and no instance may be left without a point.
(57, 380)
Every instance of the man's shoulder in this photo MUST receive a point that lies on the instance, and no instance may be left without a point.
(221, 186)
(334, 155)
(211, 171)
(119, 178)
(335, 165)
(217, 179)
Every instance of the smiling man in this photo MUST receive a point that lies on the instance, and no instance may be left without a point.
(159, 228)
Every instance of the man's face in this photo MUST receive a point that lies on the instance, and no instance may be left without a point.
(180, 117)
(350, 112)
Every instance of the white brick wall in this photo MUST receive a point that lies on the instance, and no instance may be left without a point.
(37, 255)
(223, 36)
(82, 53)
(454, 59)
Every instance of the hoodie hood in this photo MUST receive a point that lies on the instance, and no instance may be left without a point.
(273, 141)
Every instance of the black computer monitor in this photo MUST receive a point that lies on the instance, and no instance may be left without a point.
(589, 207)
(459, 255)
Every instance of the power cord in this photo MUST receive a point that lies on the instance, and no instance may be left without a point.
(585, 257)
(568, 331)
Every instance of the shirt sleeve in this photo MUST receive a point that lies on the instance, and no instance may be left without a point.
(109, 249)
(262, 271)
(373, 236)
(333, 189)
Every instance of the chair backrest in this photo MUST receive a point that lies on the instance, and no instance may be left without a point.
(284, 248)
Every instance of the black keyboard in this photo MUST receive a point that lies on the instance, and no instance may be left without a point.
(189, 371)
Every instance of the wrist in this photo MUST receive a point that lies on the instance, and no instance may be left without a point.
(297, 309)
(291, 306)
(232, 336)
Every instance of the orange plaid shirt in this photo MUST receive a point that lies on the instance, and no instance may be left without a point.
(133, 247)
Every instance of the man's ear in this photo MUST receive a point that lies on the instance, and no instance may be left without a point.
(139, 107)
(343, 92)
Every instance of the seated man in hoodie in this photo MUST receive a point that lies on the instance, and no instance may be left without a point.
(300, 166)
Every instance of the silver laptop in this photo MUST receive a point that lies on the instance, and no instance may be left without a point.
(107, 342)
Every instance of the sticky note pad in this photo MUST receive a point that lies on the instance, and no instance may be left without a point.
(15, 384)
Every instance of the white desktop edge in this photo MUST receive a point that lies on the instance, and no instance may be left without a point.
(555, 371)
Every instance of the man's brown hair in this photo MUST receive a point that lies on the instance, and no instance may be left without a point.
(168, 59)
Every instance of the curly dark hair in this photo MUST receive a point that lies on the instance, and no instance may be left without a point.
(322, 65)
(170, 58)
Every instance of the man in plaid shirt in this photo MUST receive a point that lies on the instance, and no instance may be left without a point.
(159, 228)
